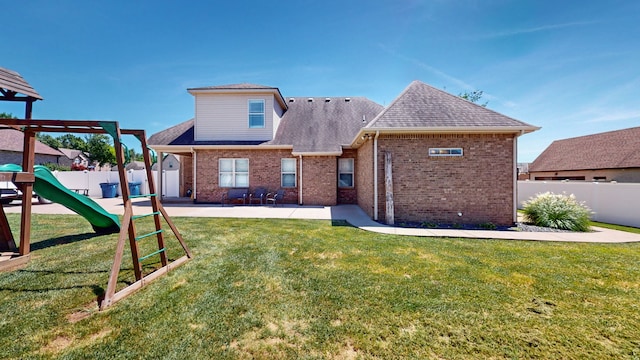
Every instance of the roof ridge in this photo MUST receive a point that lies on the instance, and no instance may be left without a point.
(391, 104)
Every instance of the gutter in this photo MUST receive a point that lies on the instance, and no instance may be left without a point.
(375, 176)
(300, 185)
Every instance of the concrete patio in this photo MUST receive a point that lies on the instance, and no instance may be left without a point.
(351, 213)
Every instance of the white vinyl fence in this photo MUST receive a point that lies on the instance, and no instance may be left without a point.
(611, 203)
(92, 179)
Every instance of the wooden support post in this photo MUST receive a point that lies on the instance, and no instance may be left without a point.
(6, 237)
(388, 184)
(28, 159)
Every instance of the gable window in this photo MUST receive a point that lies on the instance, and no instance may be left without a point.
(234, 172)
(256, 113)
(345, 173)
(445, 151)
(288, 173)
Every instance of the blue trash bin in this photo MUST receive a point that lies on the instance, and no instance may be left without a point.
(134, 188)
(109, 190)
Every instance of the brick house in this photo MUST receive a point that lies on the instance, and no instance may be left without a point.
(11, 141)
(450, 160)
(607, 156)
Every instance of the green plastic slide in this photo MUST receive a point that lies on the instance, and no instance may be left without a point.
(48, 187)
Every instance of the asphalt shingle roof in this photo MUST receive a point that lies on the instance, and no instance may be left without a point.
(608, 150)
(13, 140)
(423, 106)
(324, 124)
(235, 87)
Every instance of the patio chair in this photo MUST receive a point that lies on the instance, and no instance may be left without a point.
(235, 195)
(258, 195)
(275, 198)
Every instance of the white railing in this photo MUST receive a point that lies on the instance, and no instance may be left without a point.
(611, 203)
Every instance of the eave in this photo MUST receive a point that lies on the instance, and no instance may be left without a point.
(273, 91)
(365, 132)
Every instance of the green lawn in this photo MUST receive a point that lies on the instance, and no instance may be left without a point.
(290, 289)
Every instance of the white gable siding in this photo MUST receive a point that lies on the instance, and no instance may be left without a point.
(226, 117)
(278, 111)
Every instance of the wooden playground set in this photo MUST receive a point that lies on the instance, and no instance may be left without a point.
(14, 88)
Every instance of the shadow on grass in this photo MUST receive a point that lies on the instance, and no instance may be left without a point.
(340, 223)
(68, 239)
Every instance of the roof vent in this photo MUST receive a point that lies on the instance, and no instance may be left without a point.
(327, 99)
(364, 118)
(310, 99)
(292, 99)
(347, 99)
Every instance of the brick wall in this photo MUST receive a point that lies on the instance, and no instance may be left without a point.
(186, 169)
(264, 171)
(349, 195)
(364, 177)
(319, 180)
(435, 189)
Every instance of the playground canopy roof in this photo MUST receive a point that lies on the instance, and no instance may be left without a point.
(11, 83)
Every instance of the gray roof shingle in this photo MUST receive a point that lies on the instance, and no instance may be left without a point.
(175, 135)
(323, 124)
(423, 106)
(13, 140)
(235, 87)
(608, 150)
(11, 80)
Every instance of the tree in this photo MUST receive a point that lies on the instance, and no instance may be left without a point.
(71, 141)
(4, 115)
(473, 96)
(100, 149)
(48, 140)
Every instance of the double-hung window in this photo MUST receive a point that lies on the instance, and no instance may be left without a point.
(288, 173)
(256, 113)
(345, 173)
(234, 172)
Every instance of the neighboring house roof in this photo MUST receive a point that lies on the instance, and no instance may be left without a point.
(73, 153)
(13, 140)
(11, 80)
(421, 106)
(135, 165)
(608, 150)
(323, 125)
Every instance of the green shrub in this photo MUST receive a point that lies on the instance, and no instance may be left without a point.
(488, 226)
(557, 211)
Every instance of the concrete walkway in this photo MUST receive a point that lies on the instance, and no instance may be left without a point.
(351, 213)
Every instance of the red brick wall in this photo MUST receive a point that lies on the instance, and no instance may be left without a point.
(364, 177)
(186, 171)
(349, 195)
(435, 189)
(264, 171)
(319, 180)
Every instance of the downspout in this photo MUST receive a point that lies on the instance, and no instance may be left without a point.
(193, 174)
(515, 176)
(300, 185)
(375, 176)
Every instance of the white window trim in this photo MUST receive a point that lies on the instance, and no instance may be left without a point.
(446, 152)
(263, 113)
(295, 170)
(233, 172)
(353, 173)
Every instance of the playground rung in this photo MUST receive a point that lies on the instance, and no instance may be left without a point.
(145, 215)
(141, 196)
(149, 234)
(153, 253)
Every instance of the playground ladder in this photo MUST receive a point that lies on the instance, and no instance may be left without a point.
(128, 227)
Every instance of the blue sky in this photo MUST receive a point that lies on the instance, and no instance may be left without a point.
(571, 67)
